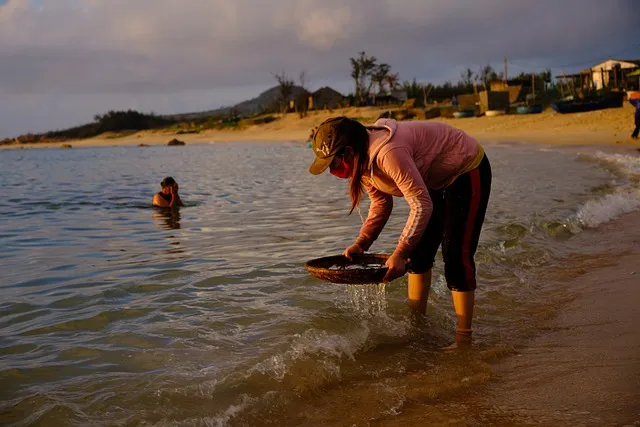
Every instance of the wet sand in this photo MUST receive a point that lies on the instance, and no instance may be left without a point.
(581, 368)
(585, 368)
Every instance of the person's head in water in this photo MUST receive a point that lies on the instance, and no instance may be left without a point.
(342, 146)
(168, 197)
(168, 184)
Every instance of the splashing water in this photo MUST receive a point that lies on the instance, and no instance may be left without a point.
(367, 300)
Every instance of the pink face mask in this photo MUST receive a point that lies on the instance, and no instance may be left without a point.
(343, 171)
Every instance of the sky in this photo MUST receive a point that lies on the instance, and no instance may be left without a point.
(63, 61)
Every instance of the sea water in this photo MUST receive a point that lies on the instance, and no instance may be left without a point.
(115, 313)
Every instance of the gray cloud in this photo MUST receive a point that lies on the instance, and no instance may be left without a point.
(80, 57)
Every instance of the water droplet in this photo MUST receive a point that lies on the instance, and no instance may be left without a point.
(367, 300)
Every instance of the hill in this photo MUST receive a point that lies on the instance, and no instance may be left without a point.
(132, 121)
(266, 101)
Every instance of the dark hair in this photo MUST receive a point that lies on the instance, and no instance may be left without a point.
(167, 182)
(357, 138)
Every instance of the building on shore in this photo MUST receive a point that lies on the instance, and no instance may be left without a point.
(612, 73)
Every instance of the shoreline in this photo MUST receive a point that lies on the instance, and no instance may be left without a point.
(583, 368)
(580, 368)
(604, 127)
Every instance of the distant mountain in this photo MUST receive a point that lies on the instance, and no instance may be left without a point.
(267, 100)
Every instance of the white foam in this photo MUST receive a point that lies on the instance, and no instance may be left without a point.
(624, 163)
(233, 410)
(327, 349)
(596, 212)
(626, 197)
(315, 342)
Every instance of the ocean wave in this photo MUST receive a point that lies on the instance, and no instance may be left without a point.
(596, 212)
(221, 420)
(627, 165)
(316, 342)
(622, 196)
(312, 360)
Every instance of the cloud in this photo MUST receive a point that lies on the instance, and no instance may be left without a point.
(109, 52)
(323, 27)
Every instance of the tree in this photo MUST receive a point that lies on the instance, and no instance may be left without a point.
(413, 89)
(302, 100)
(468, 76)
(546, 77)
(368, 66)
(393, 81)
(355, 74)
(487, 74)
(285, 84)
(484, 75)
(380, 75)
(362, 69)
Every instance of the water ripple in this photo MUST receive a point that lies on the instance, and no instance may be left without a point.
(114, 312)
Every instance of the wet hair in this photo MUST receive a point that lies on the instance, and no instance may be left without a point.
(357, 138)
(167, 182)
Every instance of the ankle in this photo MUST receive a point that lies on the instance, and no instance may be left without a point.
(464, 336)
(463, 341)
(418, 306)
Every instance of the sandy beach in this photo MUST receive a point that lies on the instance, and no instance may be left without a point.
(606, 127)
(582, 367)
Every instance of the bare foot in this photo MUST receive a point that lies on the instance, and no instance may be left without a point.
(458, 346)
(463, 341)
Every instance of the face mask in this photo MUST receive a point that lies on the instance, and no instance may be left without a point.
(343, 171)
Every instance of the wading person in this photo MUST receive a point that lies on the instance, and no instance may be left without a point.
(444, 176)
(636, 103)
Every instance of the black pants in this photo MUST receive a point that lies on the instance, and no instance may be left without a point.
(456, 222)
(637, 129)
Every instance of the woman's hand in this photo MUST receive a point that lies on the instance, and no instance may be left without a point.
(397, 266)
(354, 249)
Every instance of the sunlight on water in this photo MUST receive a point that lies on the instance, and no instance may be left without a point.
(107, 306)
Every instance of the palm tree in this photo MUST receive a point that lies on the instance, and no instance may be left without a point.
(380, 75)
(355, 74)
(393, 81)
(362, 68)
(368, 66)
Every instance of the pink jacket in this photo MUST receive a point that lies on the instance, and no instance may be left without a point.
(406, 159)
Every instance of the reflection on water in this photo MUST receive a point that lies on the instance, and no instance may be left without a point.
(113, 312)
(168, 219)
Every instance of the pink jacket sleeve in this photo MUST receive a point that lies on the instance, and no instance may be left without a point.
(379, 213)
(398, 164)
